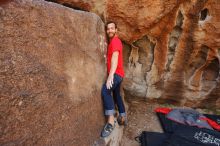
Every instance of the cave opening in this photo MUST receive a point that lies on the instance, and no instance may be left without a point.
(179, 19)
(203, 14)
(211, 72)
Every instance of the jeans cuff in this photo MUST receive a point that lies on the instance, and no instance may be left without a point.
(109, 112)
(122, 114)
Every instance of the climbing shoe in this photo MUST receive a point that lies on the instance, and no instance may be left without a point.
(107, 130)
(122, 120)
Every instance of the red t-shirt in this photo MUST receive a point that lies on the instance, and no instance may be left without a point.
(115, 45)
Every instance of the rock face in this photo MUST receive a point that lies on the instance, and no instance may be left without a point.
(184, 46)
(51, 71)
(178, 58)
(171, 48)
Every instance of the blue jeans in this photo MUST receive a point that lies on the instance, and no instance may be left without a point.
(108, 100)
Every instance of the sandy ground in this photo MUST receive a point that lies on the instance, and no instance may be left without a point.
(141, 117)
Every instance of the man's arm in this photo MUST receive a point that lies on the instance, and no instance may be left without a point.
(114, 64)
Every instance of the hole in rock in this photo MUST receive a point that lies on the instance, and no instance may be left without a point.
(212, 70)
(203, 14)
(180, 18)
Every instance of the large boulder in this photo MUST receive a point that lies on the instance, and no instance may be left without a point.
(52, 69)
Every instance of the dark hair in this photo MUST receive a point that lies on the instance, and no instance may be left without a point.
(109, 22)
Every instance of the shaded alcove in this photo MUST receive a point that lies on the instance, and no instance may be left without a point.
(203, 14)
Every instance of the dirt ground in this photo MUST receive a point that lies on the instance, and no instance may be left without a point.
(141, 117)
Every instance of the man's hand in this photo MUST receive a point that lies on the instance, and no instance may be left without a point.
(114, 63)
(110, 81)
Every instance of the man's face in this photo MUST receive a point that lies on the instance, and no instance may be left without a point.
(111, 30)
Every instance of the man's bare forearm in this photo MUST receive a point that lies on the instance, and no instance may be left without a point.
(114, 63)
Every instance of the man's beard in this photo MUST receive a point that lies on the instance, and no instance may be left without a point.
(113, 34)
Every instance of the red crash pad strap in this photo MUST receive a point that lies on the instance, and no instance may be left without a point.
(163, 110)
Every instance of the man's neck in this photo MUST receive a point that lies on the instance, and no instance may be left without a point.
(113, 37)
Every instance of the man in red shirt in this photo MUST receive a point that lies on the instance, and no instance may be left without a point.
(115, 75)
